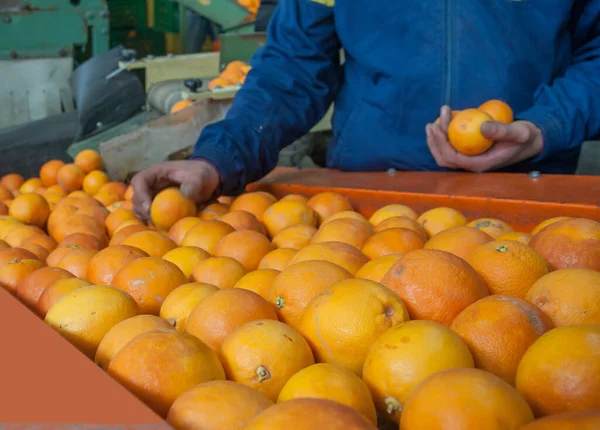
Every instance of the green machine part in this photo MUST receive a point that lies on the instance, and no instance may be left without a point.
(52, 28)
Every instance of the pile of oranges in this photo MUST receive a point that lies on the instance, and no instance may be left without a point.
(234, 74)
(301, 313)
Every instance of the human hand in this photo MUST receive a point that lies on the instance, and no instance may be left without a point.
(514, 142)
(197, 180)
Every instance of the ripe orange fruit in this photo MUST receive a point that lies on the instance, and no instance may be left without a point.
(30, 186)
(345, 230)
(287, 213)
(82, 240)
(209, 323)
(255, 203)
(153, 243)
(242, 220)
(89, 160)
(207, 234)
(392, 211)
(161, 365)
(258, 281)
(295, 237)
(338, 336)
(310, 414)
(117, 218)
(32, 286)
(30, 208)
(573, 242)
(278, 259)
(560, 372)
(104, 265)
(498, 330)
(295, 197)
(265, 354)
(479, 401)
(328, 203)
(8, 255)
(328, 381)
(248, 247)
(517, 236)
(128, 193)
(21, 233)
(568, 296)
(87, 313)
(423, 348)
(56, 189)
(43, 240)
(40, 252)
(121, 234)
(12, 181)
(181, 228)
(424, 295)
(49, 171)
(4, 245)
(169, 206)
(300, 283)
(182, 300)
(377, 268)
(401, 222)
(339, 253)
(149, 281)
(460, 241)
(344, 215)
(70, 177)
(56, 291)
(546, 223)
(180, 105)
(5, 193)
(237, 403)
(508, 267)
(15, 271)
(213, 211)
(79, 224)
(392, 241)
(93, 181)
(439, 219)
(464, 132)
(578, 420)
(76, 261)
(499, 111)
(222, 272)
(123, 332)
(186, 258)
(492, 226)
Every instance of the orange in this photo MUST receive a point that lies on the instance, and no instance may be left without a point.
(4, 209)
(8, 255)
(181, 301)
(258, 281)
(180, 105)
(169, 206)
(55, 256)
(79, 224)
(149, 281)
(578, 420)
(89, 160)
(117, 218)
(21, 233)
(339, 253)
(5, 193)
(573, 242)
(186, 258)
(255, 203)
(435, 285)
(568, 296)
(87, 313)
(401, 222)
(123, 332)
(392, 241)
(220, 313)
(206, 235)
(492, 226)
(439, 219)
(54, 292)
(460, 241)
(12, 181)
(76, 261)
(128, 193)
(248, 247)
(344, 215)
(94, 180)
(560, 372)
(295, 197)
(328, 203)
(265, 354)
(213, 211)
(508, 267)
(499, 111)
(153, 243)
(49, 171)
(404, 356)
(287, 213)
(478, 401)
(377, 268)
(516, 235)
(310, 414)
(464, 132)
(4, 245)
(222, 272)
(43, 240)
(30, 186)
(14, 272)
(123, 233)
(295, 237)
(242, 220)
(31, 287)
(40, 252)
(104, 265)
(181, 228)
(339, 336)
(237, 405)
(56, 189)
(391, 211)
(82, 240)
(277, 259)
(159, 366)
(546, 223)
(218, 83)
(299, 284)
(345, 230)
(498, 330)
(30, 208)
(328, 381)
(70, 177)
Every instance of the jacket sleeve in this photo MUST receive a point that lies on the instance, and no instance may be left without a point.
(568, 110)
(293, 80)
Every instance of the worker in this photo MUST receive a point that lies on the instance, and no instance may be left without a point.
(406, 63)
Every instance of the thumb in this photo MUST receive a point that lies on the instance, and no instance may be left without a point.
(517, 132)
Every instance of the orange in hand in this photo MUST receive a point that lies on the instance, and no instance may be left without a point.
(498, 110)
(464, 132)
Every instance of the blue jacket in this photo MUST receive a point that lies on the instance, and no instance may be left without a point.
(404, 59)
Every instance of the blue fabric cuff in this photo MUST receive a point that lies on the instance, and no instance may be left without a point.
(225, 165)
(551, 127)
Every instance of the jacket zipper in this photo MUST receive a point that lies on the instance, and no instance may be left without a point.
(448, 92)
